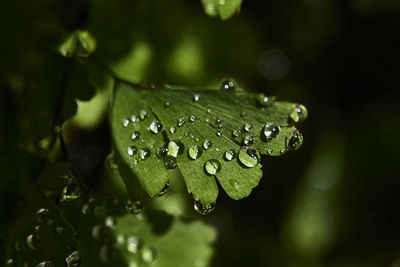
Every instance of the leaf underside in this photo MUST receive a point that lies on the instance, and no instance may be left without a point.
(218, 114)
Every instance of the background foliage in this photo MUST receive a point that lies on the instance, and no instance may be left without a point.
(332, 203)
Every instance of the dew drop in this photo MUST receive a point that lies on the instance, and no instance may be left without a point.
(247, 127)
(173, 149)
(227, 85)
(125, 122)
(164, 190)
(196, 98)
(135, 136)
(148, 254)
(203, 209)
(192, 118)
(206, 144)
(143, 114)
(270, 131)
(134, 207)
(248, 140)
(186, 134)
(161, 152)
(212, 166)
(265, 100)
(167, 103)
(45, 264)
(172, 130)
(131, 151)
(181, 122)
(144, 153)
(229, 154)
(59, 230)
(219, 133)
(194, 152)
(249, 157)
(72, 191)
(42, 215)
(133, 244)
(155, 127)
(74, 259)
(32, 241)
(109, 221)
(299, 113)
(134, 119)
(85, 209)
(294, 141)
(269, 151)
(236, 133)
(170, 162)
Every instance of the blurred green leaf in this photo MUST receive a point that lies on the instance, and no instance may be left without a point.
(207, 134)
(221, 8)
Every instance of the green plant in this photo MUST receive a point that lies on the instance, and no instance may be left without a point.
(161, 136)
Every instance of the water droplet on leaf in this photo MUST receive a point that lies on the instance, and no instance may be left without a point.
(144, 153)
(170, 162)
(74, 259)
(143, 114)
(299, 113)
(164, 190)
(227, 85)
(294, 141)
(248, 140)
(203, 209)
(42, 215)
(265, 100)
(181, 122)
(212, 166)
(230, 154)
(247, 127)
(125, 122)
(72, 191)
(236, 133)
(196, 98)
(219, 133)
(148, 254)
(131, 151)
(249, 157)
(192, 118)
(133, 244)
(172, 130)
(173, 148)
(134, 207)
(32, 241)
(206, 144)
(194, 152)
(45, 264)
(134, 119)
(155, 127)
(270, 131)
(109, 221)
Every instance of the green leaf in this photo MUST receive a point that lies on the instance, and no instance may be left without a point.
(41, 234)
(181, 244)
(221, 8)
(207, 134)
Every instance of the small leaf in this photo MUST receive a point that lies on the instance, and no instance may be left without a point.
(209, 135)
(221, 8)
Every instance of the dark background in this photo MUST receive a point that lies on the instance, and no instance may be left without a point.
(334, 202)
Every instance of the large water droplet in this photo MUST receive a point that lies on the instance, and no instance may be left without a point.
(72, 191)
(144, 153)
(270, 131)
(229, 154)
(173, 149)
(155, 127)
(143, 114)
(32, 241)
(181, 122)
(196, 98)
(265, 100)
(74, 259)
(294, 141)
(206, 144)
(203, 209)
(212, 166)
(45, 264)
(134, 207)
(125, 122)
(135, 136)
(299, 113)
(133, 244)
(42, 215)
(172, 130)
(194, 152)
(170, 162)
(131, 151)
(227, 85)
(148, 254)
(249, 157)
